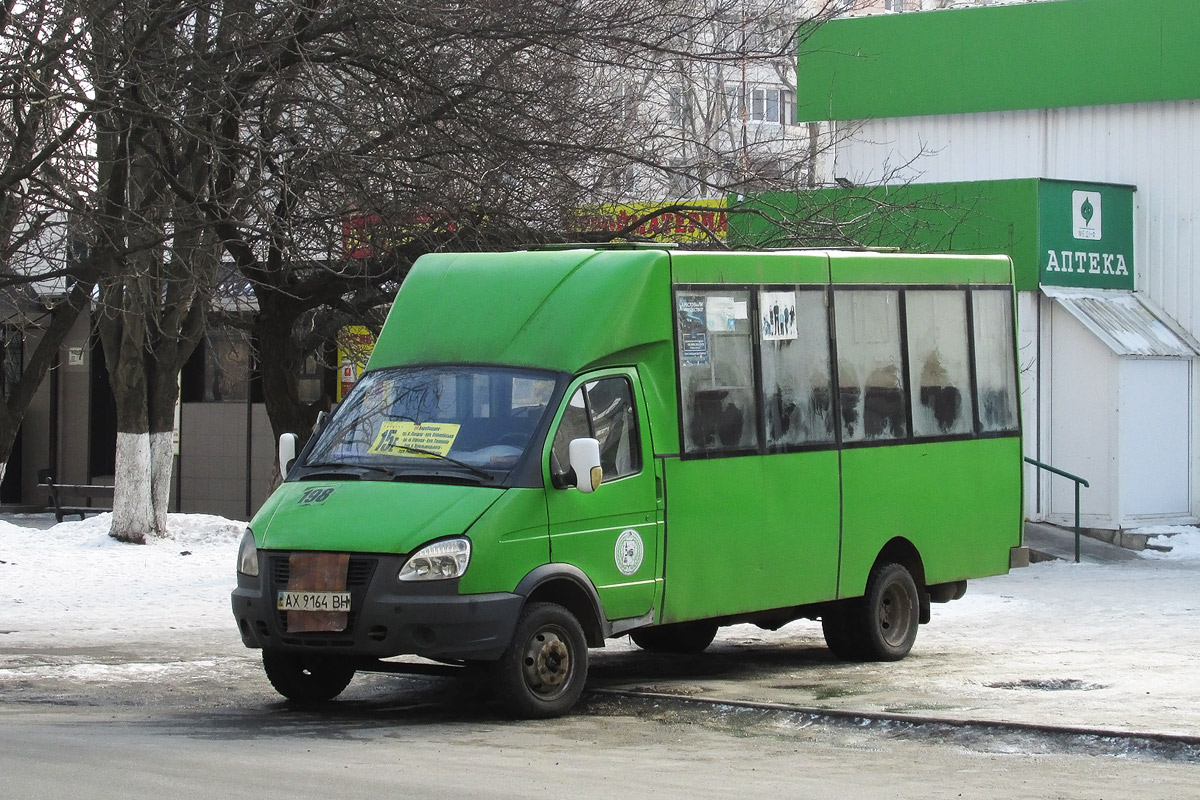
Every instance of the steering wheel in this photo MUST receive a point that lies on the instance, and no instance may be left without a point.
(513, 439)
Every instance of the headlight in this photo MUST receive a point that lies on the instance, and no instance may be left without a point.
(248, 555)
(438, 561)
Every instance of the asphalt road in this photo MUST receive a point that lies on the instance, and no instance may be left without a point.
(110, 723)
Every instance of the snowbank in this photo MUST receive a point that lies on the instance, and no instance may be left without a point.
(1184, 541)
(72, 583)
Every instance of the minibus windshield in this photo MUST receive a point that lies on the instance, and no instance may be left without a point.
(476, 421)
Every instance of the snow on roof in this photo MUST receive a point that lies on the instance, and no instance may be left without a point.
(1127, 322)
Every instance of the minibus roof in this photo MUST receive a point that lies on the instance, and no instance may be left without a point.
(566, 310)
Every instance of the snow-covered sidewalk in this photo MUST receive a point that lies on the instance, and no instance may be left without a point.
(1105, 646)
(72, 584)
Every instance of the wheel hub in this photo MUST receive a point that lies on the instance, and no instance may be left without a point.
(547, 662)
(895, 614)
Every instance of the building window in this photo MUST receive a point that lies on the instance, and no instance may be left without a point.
(762, 104)
(681, 183)
(625, 98)
(623, 180)
(679, 108)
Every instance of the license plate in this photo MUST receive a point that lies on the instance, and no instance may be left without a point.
(313, 601)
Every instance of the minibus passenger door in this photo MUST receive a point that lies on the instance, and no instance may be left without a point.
(614, 533)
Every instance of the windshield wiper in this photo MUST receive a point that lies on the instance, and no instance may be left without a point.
(476, 471)
(349, 468)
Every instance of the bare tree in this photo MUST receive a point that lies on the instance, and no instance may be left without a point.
(484, 128)
(45, 275)
(321, 146)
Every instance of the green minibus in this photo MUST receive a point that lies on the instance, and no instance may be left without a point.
(554, 447)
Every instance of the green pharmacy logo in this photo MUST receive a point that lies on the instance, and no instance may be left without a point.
(1086, 217)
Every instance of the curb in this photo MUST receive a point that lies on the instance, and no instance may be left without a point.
(1169, 745)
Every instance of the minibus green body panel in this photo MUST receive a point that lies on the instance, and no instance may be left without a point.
(750, 533)
(751, 268)
(360, 516)
(952, 500)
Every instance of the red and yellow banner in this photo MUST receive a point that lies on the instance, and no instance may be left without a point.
(694, 220)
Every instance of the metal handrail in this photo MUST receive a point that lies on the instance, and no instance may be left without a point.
(1078, 482)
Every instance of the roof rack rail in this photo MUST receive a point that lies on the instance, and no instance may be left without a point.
(604, 246)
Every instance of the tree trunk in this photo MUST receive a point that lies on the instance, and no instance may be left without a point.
(133, 512)
(162, 469)
(123, 331)
(279, 365)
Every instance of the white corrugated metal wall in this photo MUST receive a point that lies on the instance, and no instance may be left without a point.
(1152, 146)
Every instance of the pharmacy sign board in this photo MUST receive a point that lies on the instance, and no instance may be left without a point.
(1085, 235)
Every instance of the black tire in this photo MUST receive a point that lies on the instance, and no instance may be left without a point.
(306, 679)
(843, 631)
(679, 638)
(892, 613)
(544, 669)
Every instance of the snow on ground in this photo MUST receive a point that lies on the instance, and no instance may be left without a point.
(1184, 541)
(1108, 645)
(73, 584)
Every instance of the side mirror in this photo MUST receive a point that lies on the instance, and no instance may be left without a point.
(585, 462)
(287, 453)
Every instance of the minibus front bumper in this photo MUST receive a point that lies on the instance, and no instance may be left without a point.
(387, 617)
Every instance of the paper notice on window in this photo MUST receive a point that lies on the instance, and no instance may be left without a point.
(777, 312)
(693, 336)
(724, 312)
(404, 437)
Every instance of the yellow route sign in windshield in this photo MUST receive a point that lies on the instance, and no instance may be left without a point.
(402, 437)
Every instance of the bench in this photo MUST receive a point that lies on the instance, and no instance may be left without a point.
(77, 492)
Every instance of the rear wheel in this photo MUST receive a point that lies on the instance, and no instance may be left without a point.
(544, 669)
(879, 626)
(892, 613)
(681, 637)
(306, 679)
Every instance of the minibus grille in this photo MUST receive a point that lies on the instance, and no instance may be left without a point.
(358, 578)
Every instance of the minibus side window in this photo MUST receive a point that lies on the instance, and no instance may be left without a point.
(872, 396)
(994, 372)
(716, 369)
(603, 410)
(797, 400)
(939, 363)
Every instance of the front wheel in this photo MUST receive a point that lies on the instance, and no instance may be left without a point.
(306, 679)
(543, 671)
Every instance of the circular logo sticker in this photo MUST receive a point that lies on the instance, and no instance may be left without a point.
(629, 551)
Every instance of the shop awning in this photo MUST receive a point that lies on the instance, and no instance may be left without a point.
(1127, 322)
